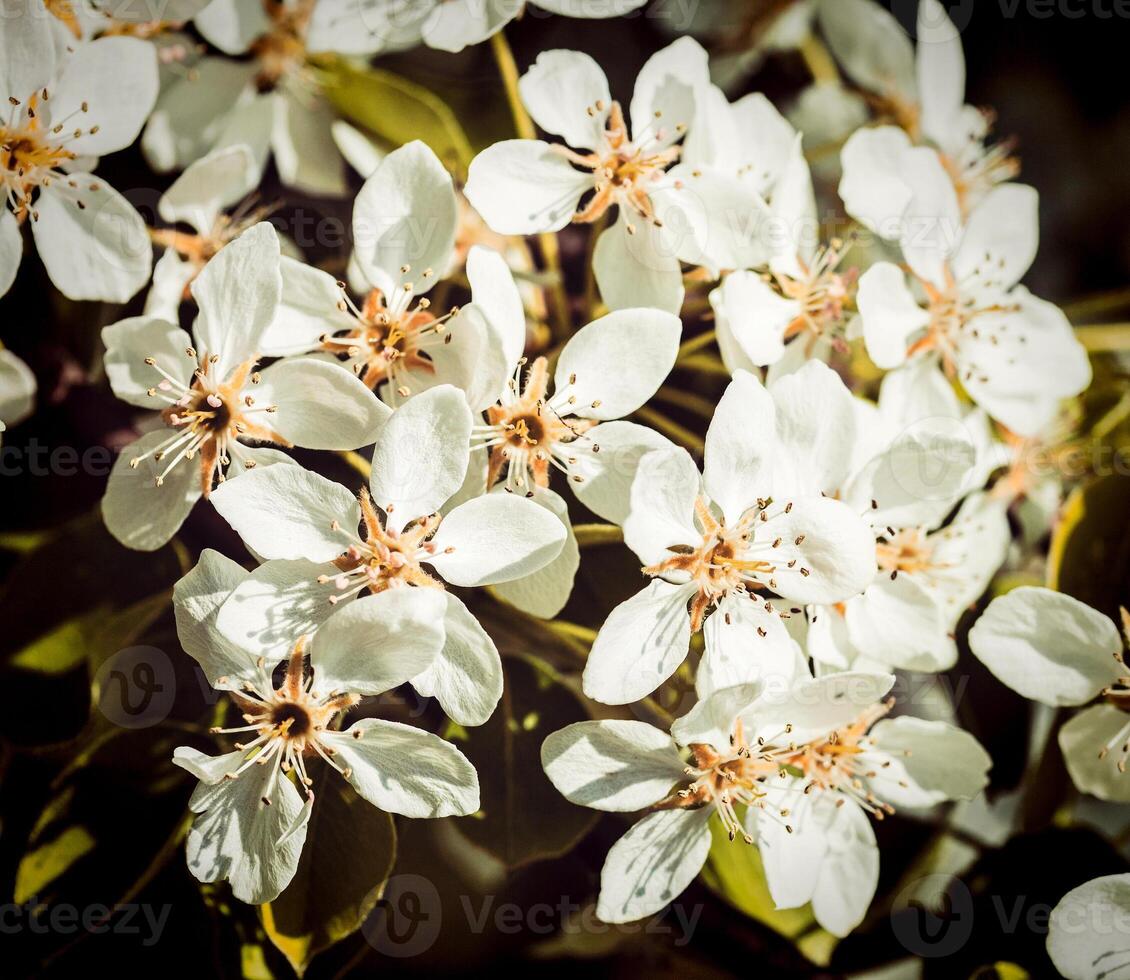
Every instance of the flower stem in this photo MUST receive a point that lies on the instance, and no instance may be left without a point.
(671, 429)
(593, 535)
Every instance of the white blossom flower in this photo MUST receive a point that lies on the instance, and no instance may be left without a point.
(1016, 355)
(367, 27)
(1054, 649)
(307, 528)
(213, 399)
(667, 211)
(271, 101)
(17, 389)
(806, 765)
(1087, 930)
(61, 111)
(605, 371)
(802, 296)
(923, 89)
(404, 225)
(719, 547)
(251, 818)
(198, 198)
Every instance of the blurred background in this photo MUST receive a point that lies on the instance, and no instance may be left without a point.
(92, 813)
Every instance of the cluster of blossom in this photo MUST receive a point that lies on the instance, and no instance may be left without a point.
(828, 540)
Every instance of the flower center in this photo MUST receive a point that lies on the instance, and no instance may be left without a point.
(729, 559)
(208, 417)
(288, 720)
(624, 172)
(387, 558)
(908, 550)
(390, 339)
(281, 52)
(822, 292)
(526, 434)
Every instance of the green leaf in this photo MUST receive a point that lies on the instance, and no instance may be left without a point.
(1089, 556)
(397, 111)
(522, 818)
(734, 870)
(349, 853)
(42, 866)
(106, 596)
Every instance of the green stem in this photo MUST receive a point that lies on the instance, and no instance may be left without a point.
(671, 429)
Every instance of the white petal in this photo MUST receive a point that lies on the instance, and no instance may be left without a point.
(793, 861)
(320, 405)
(302, 143)
(232, 25)
(307, 310)
(637, 269)
(115, 80)
(360, 152)
(794, 230)
(740, 446)
(1083, 738)
(92, 241)
(421, 455)
(455, 25)
(1087, 931)
(466, 676)
(140, 514)
(663, 495)
(171, 277)
(523, 186)
(755, 314)
(607, 475)
(610, 367)
(237, 836)
(378, 642)
(914, 482)
(666, 90)
(1047, 646)
(238, 294)
(17, 389)
(816, 429)
(966, 554)
(584, 9)
(849, 874)
(405, 215)
(1001, 238)
(544, 593)
(900, 623)
(746, 643)
(652, 864)
(710, 218)
(941, 74)
(640, 645)
(561, 91)
(817, 706)
(197, 598)
(890, 313)
(129, 342)
(612, 765)
(11, 249)
(365, 27)
(192, 112)
(27, 51)
(289, 512)
(930, 762)
(872, 187)
(208, 186)
(871, 45)
(275, 605)
(495, 293)
(404, 770)
(931, 226)
(711, 721)
(494, 539)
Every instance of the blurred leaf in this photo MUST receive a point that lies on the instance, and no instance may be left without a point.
(523, 818)
(735, 872)
(39, 868)
(398, 111)
(108, 595)
(1089, 556)
(350, 851)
